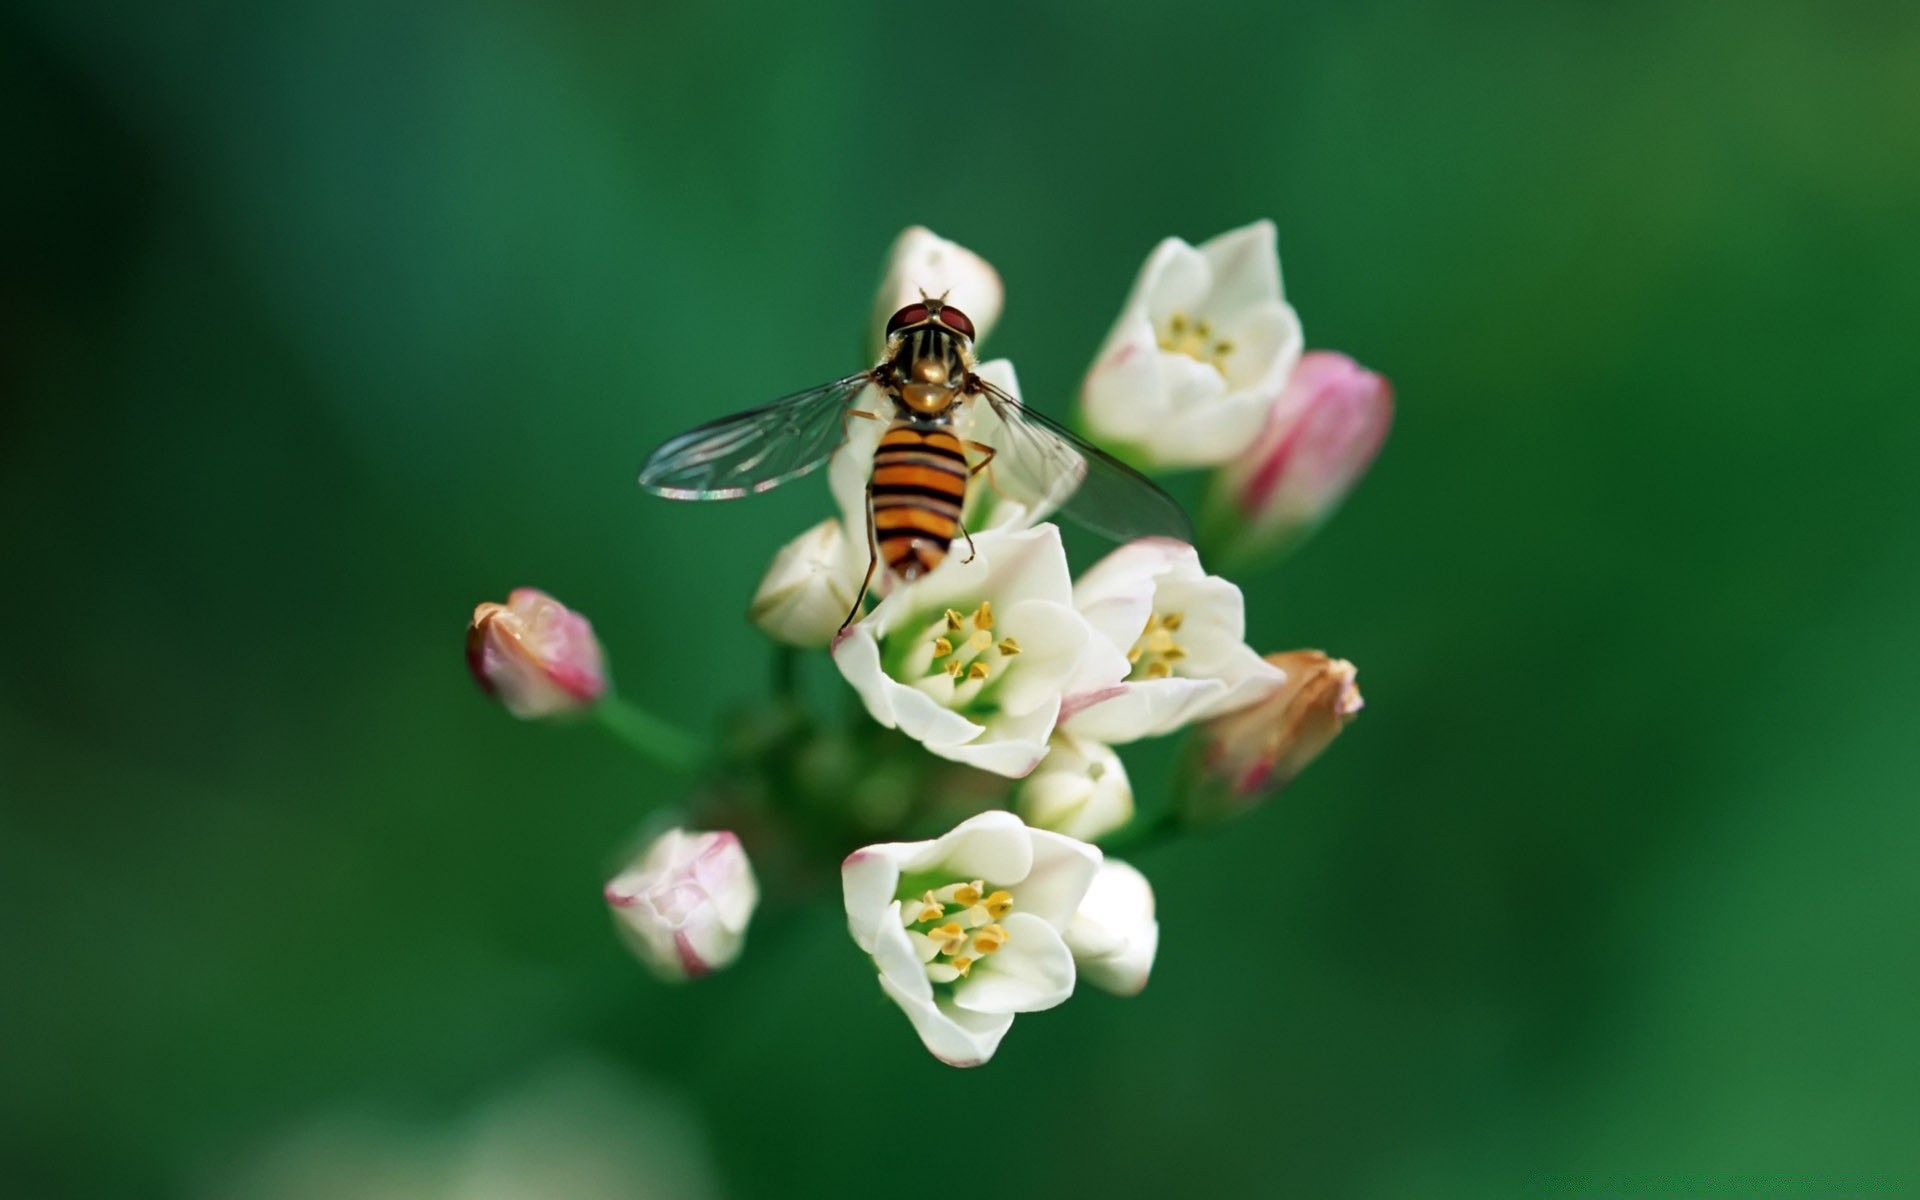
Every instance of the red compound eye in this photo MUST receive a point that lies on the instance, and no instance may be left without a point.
(957, 321)
(912, 314)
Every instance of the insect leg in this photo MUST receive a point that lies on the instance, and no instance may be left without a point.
(873, 560)
(980, 466)
(847, 417)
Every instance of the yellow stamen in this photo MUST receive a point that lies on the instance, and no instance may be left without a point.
(949, 937)
(989, 938)
(977, 670)
(983, 616)
(942, 647)
(967, 893)
(1172, 621)
(999, 905)
(954, 667)
(953, 619)
(1008, 647)
(962, 964)
(1158, 670)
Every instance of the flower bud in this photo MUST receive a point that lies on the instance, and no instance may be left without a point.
(1245, 756)
(537, 656)
(1080, 789)
(1113, 934)
(923, 263)
(1318, 440)
(810, 587)
(682, 907)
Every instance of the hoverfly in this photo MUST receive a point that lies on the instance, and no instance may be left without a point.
(918, 487)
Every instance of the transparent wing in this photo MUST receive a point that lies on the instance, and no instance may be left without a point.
(1045, 466)
(754, 450)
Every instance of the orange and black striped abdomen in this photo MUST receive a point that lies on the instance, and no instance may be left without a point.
(919, 484)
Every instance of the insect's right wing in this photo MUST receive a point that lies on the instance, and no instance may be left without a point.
(1045, 466)
(755, 450)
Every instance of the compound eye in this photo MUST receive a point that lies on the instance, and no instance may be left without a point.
(957, 321)
(912, 314)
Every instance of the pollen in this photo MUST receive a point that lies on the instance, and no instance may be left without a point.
(1156, 653)
(1184, 335)
(961, 646)
(957, 926)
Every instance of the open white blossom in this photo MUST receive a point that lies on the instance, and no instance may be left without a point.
(973, 659)
(1080, 790)
(1200, 352)
(967, 929)
(1184, 635)
(1114, 936)
(684, 904)
(921, 262)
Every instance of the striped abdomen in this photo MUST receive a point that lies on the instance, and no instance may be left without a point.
(919, 484)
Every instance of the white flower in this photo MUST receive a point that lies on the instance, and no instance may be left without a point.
(683, 905)
(810, 587)
(1199, 354)
(1184, 634)
(921, 262)
(1114, 936)
(966, 929)
(973, 659)
(1080, 790)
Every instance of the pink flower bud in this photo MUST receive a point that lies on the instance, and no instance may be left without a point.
(536, 655)
(1319, 438)
(1247, 755)
(684, 904)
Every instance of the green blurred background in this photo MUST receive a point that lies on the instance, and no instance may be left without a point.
(320, 322)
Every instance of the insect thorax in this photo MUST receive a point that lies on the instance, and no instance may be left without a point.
(928, 366)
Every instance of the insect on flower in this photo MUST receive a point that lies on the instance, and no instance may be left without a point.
(918, 487)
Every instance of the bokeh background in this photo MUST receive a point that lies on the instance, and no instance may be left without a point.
(322, 321)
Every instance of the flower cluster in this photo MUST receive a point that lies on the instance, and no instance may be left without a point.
(998, 686)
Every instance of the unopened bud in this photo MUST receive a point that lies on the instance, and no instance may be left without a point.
(683, 906)
(922, 263)
(536, 655)
(1244, 756)
(1319, 439)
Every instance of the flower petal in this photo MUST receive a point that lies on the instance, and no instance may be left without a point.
(951, 1034)
(1063, 869)
(1032, 972)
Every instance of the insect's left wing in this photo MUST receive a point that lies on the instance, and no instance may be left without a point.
(1045, 466)
(755, 450)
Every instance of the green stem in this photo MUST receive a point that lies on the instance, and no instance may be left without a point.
(666, 745)
(786, 671)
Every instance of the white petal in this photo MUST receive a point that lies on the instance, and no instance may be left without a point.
(806, 593)
(994, 846)
(869, 877)
(1081, 790)
(1244, 267)
(1063, 869)
(1146, 708)
(1114, 935)
(1033, 971)
(899, 961)
(953, 1035)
